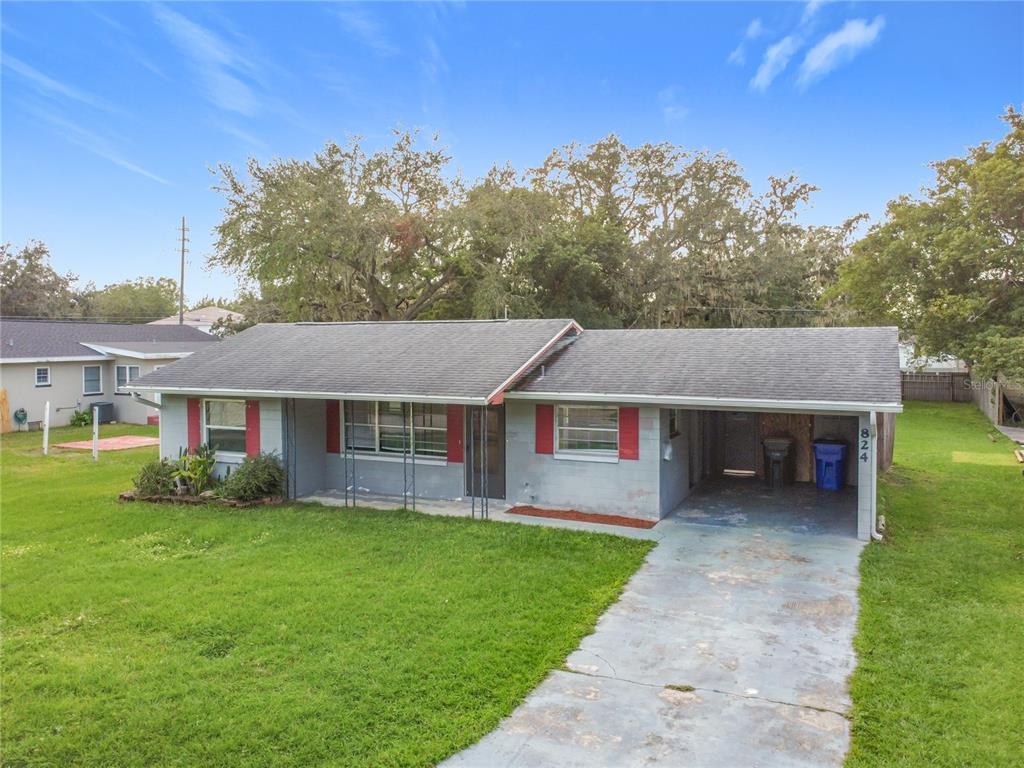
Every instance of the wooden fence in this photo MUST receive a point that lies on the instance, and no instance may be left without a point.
(946, 386)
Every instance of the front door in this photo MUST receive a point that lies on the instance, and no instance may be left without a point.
(740, 445)
(495, 450)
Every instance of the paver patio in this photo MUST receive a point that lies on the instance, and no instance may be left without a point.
(119, 443)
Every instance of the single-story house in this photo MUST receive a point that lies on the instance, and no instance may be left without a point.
(535, 412)
(73, 364)
(202, 318)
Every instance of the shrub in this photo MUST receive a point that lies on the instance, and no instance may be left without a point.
(256, 478)
(195, 470)
(81, 418)
(155, 478)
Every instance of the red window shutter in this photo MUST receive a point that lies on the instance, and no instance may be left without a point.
(332, 418)
(195, 430)
(629, 433)
(545, 437)
(252, 427)
(456, 431)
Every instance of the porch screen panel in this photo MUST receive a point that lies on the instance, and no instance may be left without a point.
(391, 424)
(361, 425)
(431, 429)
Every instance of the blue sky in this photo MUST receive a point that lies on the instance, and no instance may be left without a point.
(114, 112)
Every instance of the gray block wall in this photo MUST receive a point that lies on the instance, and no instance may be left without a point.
(174, 429)
(173, 426)
(675, 470)
(620, 487)
(385, 475)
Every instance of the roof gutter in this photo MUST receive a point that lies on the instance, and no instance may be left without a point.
(51, 359)
(715, 403)
(498, 395)
(135, 355)
(299, 395)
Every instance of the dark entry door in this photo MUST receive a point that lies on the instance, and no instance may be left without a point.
(495, 450)
(740, 445)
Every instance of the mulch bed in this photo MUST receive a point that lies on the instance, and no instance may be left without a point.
(585, 517)
(132, 496)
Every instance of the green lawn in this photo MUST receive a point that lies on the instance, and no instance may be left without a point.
(137, 635)
(940, 680)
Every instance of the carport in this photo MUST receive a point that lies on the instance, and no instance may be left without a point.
(725, 479)
(701, 403)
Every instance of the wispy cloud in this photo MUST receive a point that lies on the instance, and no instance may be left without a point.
(753, 31)
(433, 63)
(775, 60)
(811, 8)
(92, 142)
(219, 65)
(838, 48)
(244, 136)
(366, 28)
(48, 85)
(671, 110)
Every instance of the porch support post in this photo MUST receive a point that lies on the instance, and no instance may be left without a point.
(864, 453)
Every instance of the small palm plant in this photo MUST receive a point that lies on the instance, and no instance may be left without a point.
(194, 471)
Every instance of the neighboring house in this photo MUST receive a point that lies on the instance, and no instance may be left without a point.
(911, 362)
(72, 364)
(623, 422)
(202, 318)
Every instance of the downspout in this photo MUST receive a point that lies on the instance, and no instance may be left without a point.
(873, 430)
(140, 399)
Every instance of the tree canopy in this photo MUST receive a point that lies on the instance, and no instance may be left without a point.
(616, 236)
(30, 287)
(948, 268)
(131, 301)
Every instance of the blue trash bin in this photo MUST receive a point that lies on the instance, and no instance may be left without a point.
(830, 464)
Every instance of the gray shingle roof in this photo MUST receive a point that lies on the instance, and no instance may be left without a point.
(806, 364)
(430, 359)
(46, 339)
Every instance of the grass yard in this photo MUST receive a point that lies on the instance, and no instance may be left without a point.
(137, 635)
(940, 680)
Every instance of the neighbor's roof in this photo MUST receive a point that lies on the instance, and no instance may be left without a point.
(202, 316)
(807, 365)
(443, 361)
(151, 349)
(32, 340)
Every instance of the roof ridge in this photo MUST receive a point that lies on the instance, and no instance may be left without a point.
(68, 321)
(428, 322)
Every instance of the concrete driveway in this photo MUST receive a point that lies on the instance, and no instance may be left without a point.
(730, 647)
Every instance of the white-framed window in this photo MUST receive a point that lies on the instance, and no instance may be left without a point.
(224, 425)
(42, 377)
(587, 430)
(384, 428)
(92, 379)
(124, 375)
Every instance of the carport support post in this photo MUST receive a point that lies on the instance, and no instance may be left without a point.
(867, 468)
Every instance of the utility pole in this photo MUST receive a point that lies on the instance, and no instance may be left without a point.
(181, 281)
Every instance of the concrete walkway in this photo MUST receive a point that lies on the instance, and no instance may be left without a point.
(730, 647)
